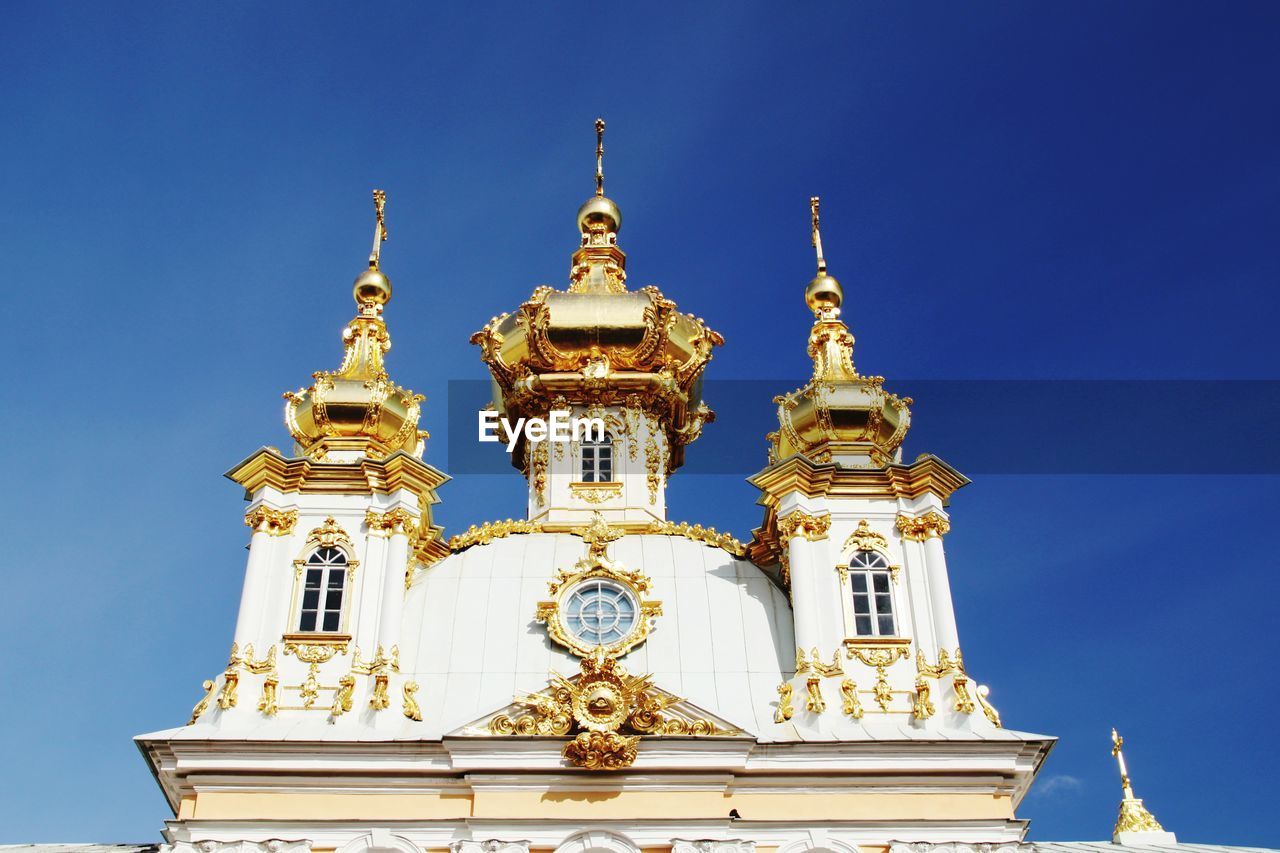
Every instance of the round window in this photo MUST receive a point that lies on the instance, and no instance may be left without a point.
(600, 612)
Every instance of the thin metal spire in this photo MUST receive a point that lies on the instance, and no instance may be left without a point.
(600, 157)
(817, 234)
(379, 229)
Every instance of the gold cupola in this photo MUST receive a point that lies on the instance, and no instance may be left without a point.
(596, 343)
(357, 411)
(840, 415)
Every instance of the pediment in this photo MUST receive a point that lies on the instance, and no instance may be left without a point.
(602, 699)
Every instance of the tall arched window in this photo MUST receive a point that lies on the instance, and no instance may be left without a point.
(597, 460)
(872, 595)
(323, 586)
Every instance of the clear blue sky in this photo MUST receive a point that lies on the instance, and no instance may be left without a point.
(1036, 191)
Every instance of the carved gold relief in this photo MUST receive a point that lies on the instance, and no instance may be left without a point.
(342, 697)
(988, 709)
(329, 535)
(389, 523)
(602, 700)
(596, 493)
(811, 527)
(922, 708)
(813, 663)
(880, 655)
(411, 709)
(920, 528)
(653, 467)
(273, 522)
(203, 704)
(866, 539)
(964, 702)
(851, 707)
(785, 709)
(814, 702)
(313, 652)
(380, 668)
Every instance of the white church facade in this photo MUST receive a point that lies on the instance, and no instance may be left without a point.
(598, 676)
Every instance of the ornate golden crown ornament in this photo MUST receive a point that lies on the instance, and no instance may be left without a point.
(608, 709)
(550, 352)
(596, 564)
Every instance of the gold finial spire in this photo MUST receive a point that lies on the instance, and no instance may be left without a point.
(1134, 817)
(600, 158)
(379, 229)
(814, 202)
(372, 289)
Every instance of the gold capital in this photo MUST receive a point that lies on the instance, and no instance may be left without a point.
(811, 527)
(273, 522)
(920, 528)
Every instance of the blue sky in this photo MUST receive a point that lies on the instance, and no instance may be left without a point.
(1011, 191)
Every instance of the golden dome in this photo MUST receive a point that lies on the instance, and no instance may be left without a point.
(840, 414)
(357, 410)
(597, 343)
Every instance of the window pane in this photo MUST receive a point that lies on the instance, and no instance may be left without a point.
(886, 626)
(310, 599)
(334, 600)
(331, 621)
(883, 604)
(861, 604)
(862, 625)
(859, 582)
(881, 581)
(335, 579)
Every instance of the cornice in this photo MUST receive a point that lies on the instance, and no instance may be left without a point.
(269, 468)
(797, 473)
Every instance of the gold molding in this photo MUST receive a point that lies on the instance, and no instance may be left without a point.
(268, 468)
(485, 533)
(329, 535)
(815, 665)
(596, 493)
(920, 528)
(881, 653)
(273, 522)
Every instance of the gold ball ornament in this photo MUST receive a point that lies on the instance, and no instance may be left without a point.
(372, 288)
(823, 294)
(599, 212)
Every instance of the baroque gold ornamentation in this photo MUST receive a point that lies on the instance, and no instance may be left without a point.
(922, 708)
(596, 493)
(389, 523)
(490, 530)
(596, 564)
(946, 664)
(785, 709)
(540, 459)
(814, 664)
(698, 533)
(851, 707)
(203, 704)
(881, 656)
(342, 697)
(329, 535)
(273, 522)
(964, 702)
(313, 653)
(411, 709)
(814, 702)
(601, 750)
(380, 668)
(811, 527)
(920, 528)
(987, 708)
(603, 699)
(866, 539)
(653, 467)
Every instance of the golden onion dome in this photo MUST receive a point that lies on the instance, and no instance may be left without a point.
(357, 411)
(598, 343)
(840, 415)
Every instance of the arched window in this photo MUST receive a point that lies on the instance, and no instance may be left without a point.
(872, 595)
(324, 583)
(597, 460)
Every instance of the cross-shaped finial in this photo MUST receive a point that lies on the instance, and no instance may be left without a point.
(817, 234)
(379, 228)
(600, 157)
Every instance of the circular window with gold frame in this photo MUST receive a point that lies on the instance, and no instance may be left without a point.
(600, 604)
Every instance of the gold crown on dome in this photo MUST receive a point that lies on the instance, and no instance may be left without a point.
(840, 411)
(596, 342)
(357, 407)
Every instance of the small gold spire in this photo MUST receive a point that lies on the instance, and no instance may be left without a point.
(379, 229)
(600, 158)
(1133, 817)
(814, 202)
